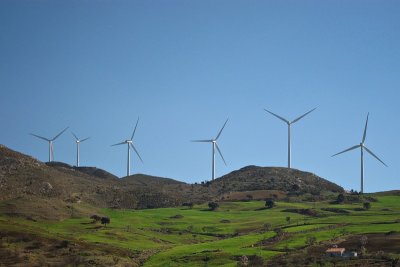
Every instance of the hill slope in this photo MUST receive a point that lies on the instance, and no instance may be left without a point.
(274, 178)
(25, 178)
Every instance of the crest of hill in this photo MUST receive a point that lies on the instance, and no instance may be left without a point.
(92, 171)
(148, 180)
(252, 178)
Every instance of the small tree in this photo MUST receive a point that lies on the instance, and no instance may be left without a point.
(311, 240)
(269, 203)
(367, 205)
(340, 198)
(95, 218)
(267, 226)
(188, 204)
(105, 221)
(243, 261)
(278, 231)
(213, 205)
(363, 240)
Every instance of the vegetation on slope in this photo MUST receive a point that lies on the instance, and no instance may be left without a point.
(196, 236)
(46, 216)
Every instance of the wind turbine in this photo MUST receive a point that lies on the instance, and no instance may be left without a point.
(289, 123)
(362, 147)
(129, 142)
(51, 149)
(78, 141)
(214, 146)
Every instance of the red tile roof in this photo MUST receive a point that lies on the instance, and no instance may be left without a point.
(335, 250)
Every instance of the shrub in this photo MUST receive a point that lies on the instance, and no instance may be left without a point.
(188, 204)
(340, 199)
(213, 205)
(105, 221)
(269, 203)
(278, 231)
(256, 260)
(63, 244)
(267, 226)
(366, 205)
(363, 240)
(311, 240)
(243, 261)
(95, 218)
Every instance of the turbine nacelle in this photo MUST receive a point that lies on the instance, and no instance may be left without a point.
(289, 123)
(129, 142)
(50, 141)
(362, 147)
(214, 146)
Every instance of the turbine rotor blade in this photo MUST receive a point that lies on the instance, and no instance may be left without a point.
(302, 116)
(137, 153)
(375, 156)
(203, 141)
(43, 138)
(216, 138)
(133, 134)
(85, 139)
(77, 139)
(279, 117)
(59, 134)
(119, 144)
(351, 148)
(365, 129)
(219, 152)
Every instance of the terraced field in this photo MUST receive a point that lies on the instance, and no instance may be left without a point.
(199, 237)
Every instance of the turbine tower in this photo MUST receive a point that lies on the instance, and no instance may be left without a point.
(289, 123)
(214, 147)
(78, 141)
(130, 145)
(51, 149)
(362, 147)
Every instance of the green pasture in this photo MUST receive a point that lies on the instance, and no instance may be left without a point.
(195, 237)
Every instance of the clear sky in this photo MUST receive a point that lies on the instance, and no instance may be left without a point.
(184, 66)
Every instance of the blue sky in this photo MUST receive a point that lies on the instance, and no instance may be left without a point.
(183, 67)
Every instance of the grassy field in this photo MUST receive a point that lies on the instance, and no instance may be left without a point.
(199, 237)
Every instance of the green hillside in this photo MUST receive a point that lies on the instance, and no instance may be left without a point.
(46, 219)
(183, 236)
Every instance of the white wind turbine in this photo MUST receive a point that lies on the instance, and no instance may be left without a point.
(289, 123)
(362, 147)
(51, 148)
(129, 142)
(214, 146)
(78, 142)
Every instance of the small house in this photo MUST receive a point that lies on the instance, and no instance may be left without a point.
(335, 252)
